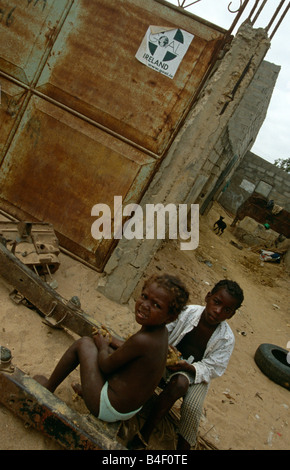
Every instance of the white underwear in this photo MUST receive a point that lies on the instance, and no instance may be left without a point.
(108, 413)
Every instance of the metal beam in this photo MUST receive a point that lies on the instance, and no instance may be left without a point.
(27, 398)
(56, 310)
(48, 414)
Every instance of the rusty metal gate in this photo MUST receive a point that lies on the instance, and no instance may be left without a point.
(81, 119)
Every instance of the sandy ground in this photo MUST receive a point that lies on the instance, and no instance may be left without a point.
(244, 410)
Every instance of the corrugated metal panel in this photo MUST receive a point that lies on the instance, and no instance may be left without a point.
(93, 69)
(12, 98)
(28, 29)
(82, 120)
(64, 168)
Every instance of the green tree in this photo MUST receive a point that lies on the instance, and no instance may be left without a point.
(283, 163)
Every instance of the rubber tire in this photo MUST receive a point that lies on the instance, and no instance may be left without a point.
(272, 361)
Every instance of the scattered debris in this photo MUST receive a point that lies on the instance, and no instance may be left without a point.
(243, 333)
(236, 245)
(270, 256)
(258, 395)
(256, 208)
(34, 244)
(208, 263)
(270, 438)
(227, 394)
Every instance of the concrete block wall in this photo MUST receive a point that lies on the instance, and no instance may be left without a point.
(240, 134)
(252, 172)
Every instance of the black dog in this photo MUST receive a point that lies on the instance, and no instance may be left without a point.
(219, 226)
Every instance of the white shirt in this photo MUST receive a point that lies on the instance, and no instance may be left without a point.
(219, 347)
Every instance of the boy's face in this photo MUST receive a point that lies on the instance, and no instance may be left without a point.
(152, 306)
(220, 306)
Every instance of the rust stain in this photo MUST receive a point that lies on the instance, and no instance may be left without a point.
(12, 97)
(106, 83)
(56, 162)
(64, 168)
(53, 417)
(24, 25)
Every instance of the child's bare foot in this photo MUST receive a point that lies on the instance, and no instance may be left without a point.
(41, 380)
(77, 388)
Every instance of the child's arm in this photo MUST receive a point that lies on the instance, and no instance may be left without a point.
(116, 342)
(182, 365)
(110, 362)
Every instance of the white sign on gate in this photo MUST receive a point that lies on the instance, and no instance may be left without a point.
(163, 49)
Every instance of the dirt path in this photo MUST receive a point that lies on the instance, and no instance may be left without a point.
(243, 409)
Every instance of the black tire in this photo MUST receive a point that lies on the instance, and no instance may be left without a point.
(272, 361)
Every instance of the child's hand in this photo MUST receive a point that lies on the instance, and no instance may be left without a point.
(103, 331)
(181, 365)
(173, 356)
(100, 340)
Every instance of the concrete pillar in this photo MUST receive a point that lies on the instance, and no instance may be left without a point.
(178, 179)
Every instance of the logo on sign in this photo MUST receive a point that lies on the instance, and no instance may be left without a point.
(163, 49)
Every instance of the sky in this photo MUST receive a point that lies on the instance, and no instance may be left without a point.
(273, 140)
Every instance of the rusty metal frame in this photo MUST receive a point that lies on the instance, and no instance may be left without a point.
(275, 15)
(57, 311)
(35, 244)
(27, 398)
(280, 20)
(87, 254)
(240, 10)
(48, 414)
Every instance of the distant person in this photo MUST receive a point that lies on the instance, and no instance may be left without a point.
(117, 378)
(206, 342)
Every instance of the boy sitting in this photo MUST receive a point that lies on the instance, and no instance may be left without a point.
(206, 342)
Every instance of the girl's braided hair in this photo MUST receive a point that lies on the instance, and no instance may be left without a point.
(173, 285)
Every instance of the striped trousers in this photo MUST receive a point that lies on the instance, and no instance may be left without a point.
(191, 411)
